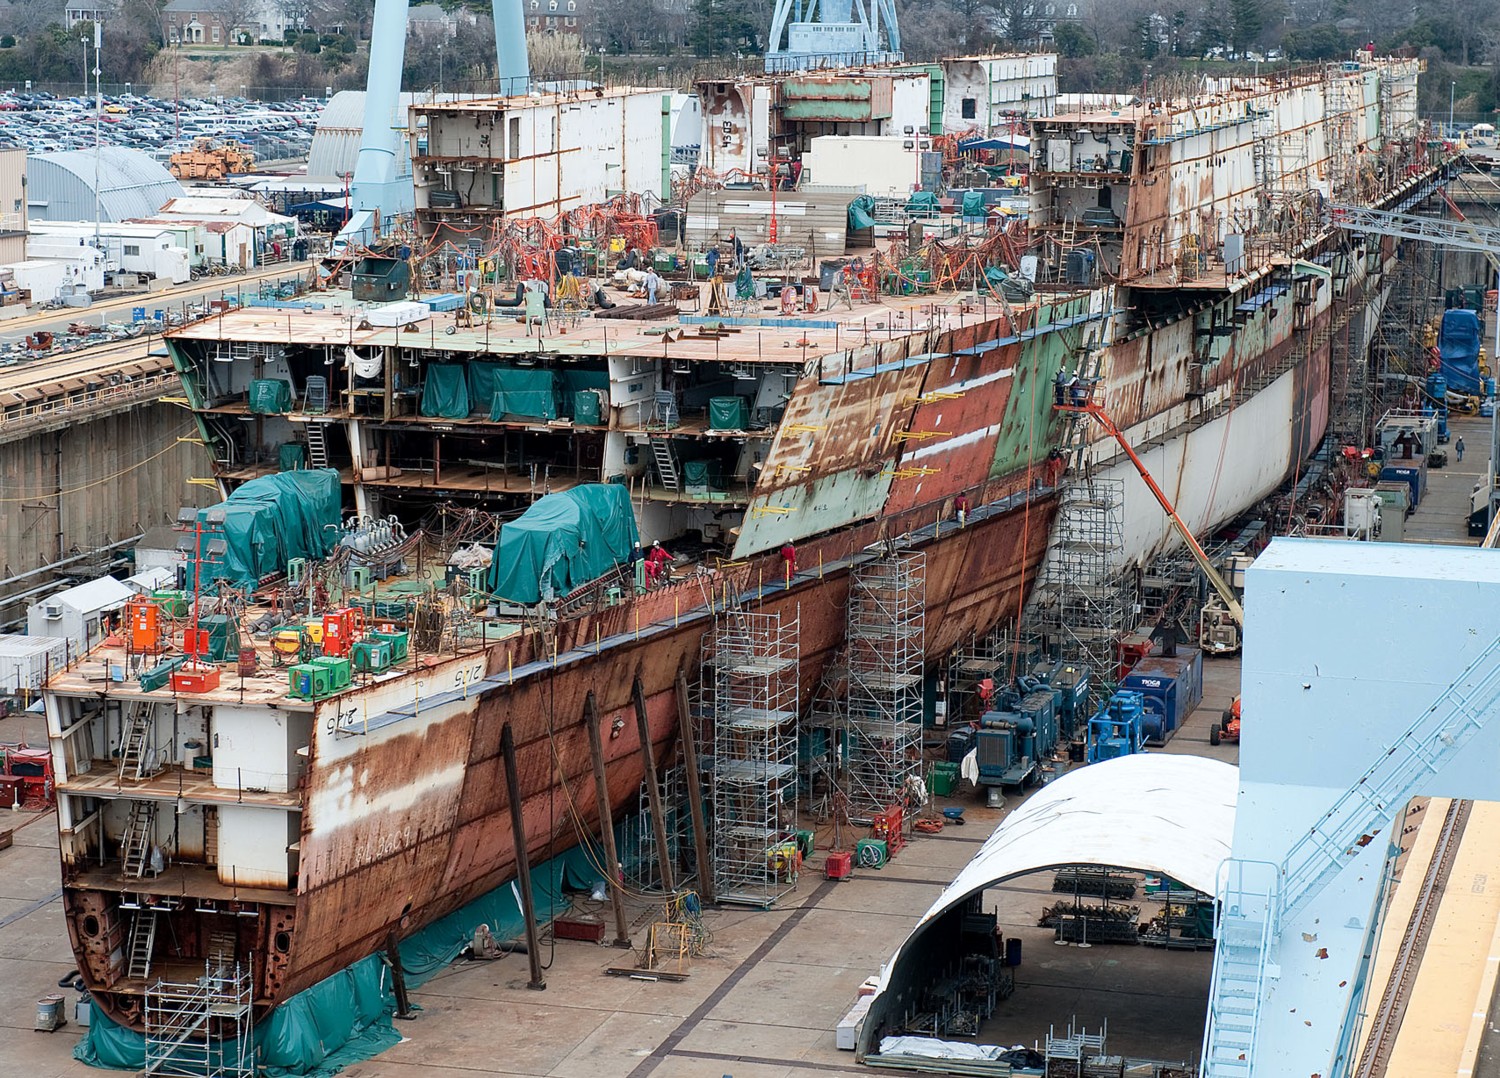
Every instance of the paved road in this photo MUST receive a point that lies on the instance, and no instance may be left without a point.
(118, 309)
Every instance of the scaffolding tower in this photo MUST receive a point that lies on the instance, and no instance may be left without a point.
(1083, 603)
(201, 1027)
(886, 636)
(749, 701)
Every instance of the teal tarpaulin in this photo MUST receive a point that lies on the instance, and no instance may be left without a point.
(291, 455)
(586, 408)
(974, 204)
(562, 541)
(522, 394)
(346, 1018)
(922, 204)
(269, 520)
(335, 1023)
(728, 413)
(270, 396)
(861, 213)
(445, 393)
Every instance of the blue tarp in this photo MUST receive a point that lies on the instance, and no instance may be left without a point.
(1458, 349)
(562, 541)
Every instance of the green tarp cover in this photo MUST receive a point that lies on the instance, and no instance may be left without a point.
(702, 473)
(974, 204)
(347, 1017)
(270, 396)
(862, 213)
(270, 520)
(445, 393)
(728, 413)
(523, 394)
(586, 407)
(562, 541)
(291, 455)
(922, 204)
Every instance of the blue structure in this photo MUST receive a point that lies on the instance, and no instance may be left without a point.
(832, 33)
(1317, 824)
(1459, 341)
(1119, 727)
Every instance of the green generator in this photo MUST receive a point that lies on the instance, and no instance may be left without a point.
(338, 670)
(309, 680)
(372, 656)
(400, 644)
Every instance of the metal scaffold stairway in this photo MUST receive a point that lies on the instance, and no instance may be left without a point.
(1081, 605)
(142, 943)
(135, 753)
(883, 720)
(317, 446)
(666, 463)
(201, 1027)
(749, 703)
(1257, 898)
(135, 842)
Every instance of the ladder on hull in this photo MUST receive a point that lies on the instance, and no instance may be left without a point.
(134, 744)
(142, 942)
(666, 463)
(135, 843)
(317, 446)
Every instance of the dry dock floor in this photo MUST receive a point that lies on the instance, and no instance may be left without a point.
(764, 1004)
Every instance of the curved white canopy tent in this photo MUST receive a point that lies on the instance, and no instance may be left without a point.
(1155, 812)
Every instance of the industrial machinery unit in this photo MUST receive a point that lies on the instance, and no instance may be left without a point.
(1012, 742)
(1119, 728)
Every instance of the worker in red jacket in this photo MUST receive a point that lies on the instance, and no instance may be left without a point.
(789, 556)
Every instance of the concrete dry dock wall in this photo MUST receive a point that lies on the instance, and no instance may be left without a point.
(89, 482)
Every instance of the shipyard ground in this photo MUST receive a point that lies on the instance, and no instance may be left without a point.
(765, 1003)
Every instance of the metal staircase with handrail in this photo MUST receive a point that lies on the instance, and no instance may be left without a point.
(1255, 903)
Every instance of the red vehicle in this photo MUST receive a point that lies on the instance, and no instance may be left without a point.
(1229, 725)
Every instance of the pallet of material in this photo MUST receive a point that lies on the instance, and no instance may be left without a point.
(1094, 882)
(639, 312)
(6, 838)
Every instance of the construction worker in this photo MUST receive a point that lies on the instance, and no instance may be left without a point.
(652, 284)
(789, 556)
(1458, 447)
(961, 509)
(1060, 387)
(712, 258)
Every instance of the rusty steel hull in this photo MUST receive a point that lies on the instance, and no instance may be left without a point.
(406, 825)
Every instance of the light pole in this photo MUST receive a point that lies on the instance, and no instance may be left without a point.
(1452, 89)
(601, 67)
(440, 67)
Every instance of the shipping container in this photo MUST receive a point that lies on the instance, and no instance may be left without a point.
(1172, 687)
(1412, 474)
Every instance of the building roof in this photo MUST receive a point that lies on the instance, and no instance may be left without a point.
(60, 186)
(1153, 811)
(106, 593)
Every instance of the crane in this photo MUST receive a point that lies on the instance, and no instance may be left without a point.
(381, 188)
(1083, 404)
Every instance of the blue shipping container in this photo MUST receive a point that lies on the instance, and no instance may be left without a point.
(1413, 475)
(1172, 687)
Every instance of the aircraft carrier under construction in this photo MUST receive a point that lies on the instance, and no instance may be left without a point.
(541, 507)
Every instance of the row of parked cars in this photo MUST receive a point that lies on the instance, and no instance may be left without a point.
(44, 123)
